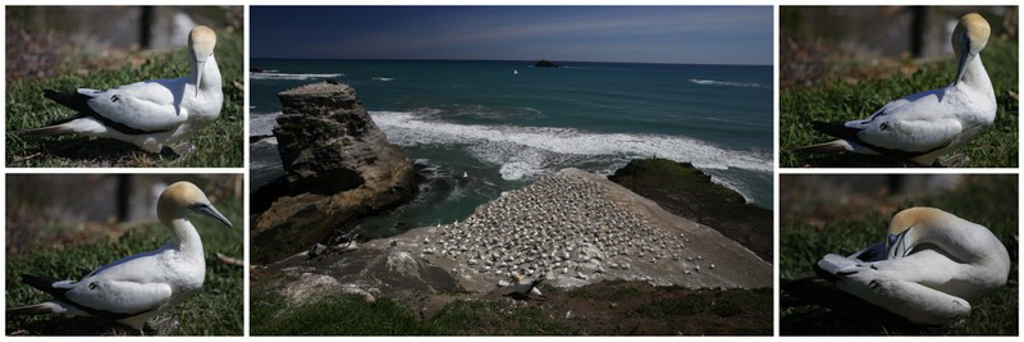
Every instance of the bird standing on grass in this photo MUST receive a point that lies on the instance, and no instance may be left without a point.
(134, 289)
(924, 126)
(928, 270)
(150, 114)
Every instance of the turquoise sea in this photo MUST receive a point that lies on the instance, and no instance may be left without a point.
(483, 127)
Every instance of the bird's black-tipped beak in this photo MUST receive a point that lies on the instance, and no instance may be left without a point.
(965, 57)
(209, 210)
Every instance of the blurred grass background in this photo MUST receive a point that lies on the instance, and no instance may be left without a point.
(821, 214)
(844, 63)
(68, 242)
(63, 48)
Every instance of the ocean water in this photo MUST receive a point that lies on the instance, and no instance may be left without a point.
(484, 127)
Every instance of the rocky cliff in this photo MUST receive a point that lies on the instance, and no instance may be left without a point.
(338, 167)
(686, 191)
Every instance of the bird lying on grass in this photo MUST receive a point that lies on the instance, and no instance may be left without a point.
(924, 126)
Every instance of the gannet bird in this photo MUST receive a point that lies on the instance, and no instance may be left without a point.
(523, 288)
(134, 289)
(926, 125)
(928, 270)
(149, 114)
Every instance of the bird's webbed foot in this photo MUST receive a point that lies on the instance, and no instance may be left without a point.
(955, 159)
(179, 152)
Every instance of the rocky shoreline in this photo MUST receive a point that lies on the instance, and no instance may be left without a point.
(573, 228)
(338, 166)
(684, 190)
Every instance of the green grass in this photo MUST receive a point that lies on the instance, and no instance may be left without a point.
(990, 201)
(667, 174)
(215, 310)
(218, 145)
(334, 313)
(840, 101)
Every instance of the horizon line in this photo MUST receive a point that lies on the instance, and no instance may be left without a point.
(497, 60)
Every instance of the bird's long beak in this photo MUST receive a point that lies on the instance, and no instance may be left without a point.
(896, 244)
(200, 66)
(966, 56)
(209, 210)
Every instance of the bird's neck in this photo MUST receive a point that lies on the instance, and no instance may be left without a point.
(975, 75)
(211, 75)
(184, 237)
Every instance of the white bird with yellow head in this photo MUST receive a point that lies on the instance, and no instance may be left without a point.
(922, 127)
(929, 269)
(134, 289)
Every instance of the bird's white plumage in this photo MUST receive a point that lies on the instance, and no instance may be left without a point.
(928, 124)
(136, 288)
(933, 265)
(150, 106)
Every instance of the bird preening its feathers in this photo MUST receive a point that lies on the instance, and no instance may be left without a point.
(922, 127)
(150, 114)
(134, 289)
(928, 270)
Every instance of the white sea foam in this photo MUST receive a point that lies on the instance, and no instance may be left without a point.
(384, 79)
(523, 152)
(273, 75)
(262, 124)
(720, 83)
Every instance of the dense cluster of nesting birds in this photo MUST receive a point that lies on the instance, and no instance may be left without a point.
(558, 226)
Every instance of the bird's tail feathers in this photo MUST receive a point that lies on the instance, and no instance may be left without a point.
(833, 146)
(57, 128)
(36, 309)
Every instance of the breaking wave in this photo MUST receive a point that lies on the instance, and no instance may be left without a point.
(524, 152)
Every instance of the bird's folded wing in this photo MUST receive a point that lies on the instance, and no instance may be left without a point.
(145, 106)
(911, 135)
(874, 252)
(119, 297)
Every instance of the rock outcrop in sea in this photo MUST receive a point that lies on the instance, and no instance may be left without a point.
(684, 190)
(338, 166)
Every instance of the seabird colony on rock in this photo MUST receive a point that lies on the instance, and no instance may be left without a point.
(560, 226)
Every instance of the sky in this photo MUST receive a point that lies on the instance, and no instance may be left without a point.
(672, 34)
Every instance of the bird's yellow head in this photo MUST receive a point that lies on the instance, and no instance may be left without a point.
(969, 38)
(201, 42)
(900, 238)
(972, 33)
(181, 197)
(517, 277)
